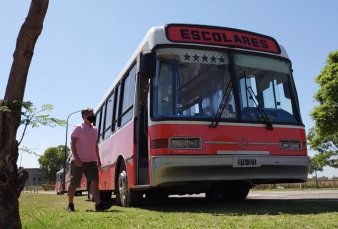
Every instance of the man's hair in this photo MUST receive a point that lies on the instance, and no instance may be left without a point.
(86, 111)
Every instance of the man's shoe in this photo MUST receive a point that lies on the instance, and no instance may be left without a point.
(102, 206)
(71, 207)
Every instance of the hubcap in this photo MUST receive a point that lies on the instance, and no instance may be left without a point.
(123, 186)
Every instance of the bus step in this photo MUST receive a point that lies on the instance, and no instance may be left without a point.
(142, 187)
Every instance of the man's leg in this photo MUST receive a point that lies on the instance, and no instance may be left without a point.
(71, 193)
(75, 174)
(94, 186)
(92, 175)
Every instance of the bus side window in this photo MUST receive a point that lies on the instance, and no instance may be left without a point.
(114, 110)
(102, 121)
(109, 116)
(117, 106)
(97, 124)
(128, 92)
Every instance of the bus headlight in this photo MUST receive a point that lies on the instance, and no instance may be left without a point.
(290, 145)
(177, 143)
(185, 143)
(285, 144)
(295, 145)
(192, 143)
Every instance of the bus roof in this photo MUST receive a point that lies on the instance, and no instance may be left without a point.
(203, 35)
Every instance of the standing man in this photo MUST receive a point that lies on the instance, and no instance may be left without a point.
(85, 159)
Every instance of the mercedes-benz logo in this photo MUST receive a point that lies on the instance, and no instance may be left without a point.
(243, 143)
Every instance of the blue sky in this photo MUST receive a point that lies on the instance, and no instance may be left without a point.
(84, 45)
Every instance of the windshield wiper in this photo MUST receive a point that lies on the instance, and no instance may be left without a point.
(260, 109)
(221, 106)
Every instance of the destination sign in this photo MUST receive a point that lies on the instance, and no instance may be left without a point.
(221, 36)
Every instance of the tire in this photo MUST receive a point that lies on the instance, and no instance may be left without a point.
(157, 196)
(125, 196)
(237, 193)
(105, 195)
(213, 196)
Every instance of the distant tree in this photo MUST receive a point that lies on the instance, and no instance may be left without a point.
(323, 137)
(317, 164)
(12, 181)
(53, 160)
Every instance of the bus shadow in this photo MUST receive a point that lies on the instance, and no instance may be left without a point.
(247, 207)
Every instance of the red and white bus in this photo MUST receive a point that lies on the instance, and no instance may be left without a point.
(201, 109)
(61, 187)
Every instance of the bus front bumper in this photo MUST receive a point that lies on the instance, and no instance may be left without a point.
(260, 169)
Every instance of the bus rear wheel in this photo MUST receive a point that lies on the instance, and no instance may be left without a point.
(213, 196)
(125, 196)
(157, 196)
(237, 193)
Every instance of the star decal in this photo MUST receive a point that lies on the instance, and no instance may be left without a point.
(213, 59)
(186, 57)
(204, 58)
(196, 58)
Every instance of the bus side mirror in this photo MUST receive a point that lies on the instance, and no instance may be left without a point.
(147, 64)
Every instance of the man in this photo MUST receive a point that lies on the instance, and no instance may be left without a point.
(85, 159)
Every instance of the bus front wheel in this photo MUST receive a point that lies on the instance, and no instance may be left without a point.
(125, 196)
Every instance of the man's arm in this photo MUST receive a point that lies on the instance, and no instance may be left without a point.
(97, 155)
(77, 160)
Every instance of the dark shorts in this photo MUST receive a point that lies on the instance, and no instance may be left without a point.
(89, 169)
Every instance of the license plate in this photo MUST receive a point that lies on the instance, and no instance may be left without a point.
(246, 162)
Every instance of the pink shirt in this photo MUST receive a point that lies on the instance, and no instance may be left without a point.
(86, 136)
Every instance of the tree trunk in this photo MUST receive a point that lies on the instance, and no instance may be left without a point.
(317, 184)
(12, 181)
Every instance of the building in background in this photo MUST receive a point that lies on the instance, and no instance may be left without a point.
(36, 177)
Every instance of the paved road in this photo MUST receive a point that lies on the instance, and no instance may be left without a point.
(294, 195)
(274, 195)
(331, 195)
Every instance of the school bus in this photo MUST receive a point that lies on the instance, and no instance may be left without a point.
(201, 109)
(61, 187)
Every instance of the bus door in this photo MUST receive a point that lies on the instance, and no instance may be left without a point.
(141, 118)
(142, 147)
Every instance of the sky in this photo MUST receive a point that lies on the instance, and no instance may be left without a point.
(85, 44)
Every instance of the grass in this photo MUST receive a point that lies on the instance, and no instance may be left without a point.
(49, 211)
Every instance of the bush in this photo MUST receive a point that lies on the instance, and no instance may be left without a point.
(48, 187)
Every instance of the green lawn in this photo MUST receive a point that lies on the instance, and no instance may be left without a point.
(49, 211)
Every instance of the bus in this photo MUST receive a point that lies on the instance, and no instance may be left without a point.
(200, 109)
(61, 187)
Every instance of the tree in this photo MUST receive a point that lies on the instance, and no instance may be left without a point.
(324, 136)
(33, 117)
(25, 149)
(12, 181)
(53, 160)
(317, 164)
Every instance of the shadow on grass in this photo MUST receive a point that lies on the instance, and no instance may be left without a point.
(247, 207)
(108, 204)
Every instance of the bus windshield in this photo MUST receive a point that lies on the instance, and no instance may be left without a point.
(192, 84)
(264, 82)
